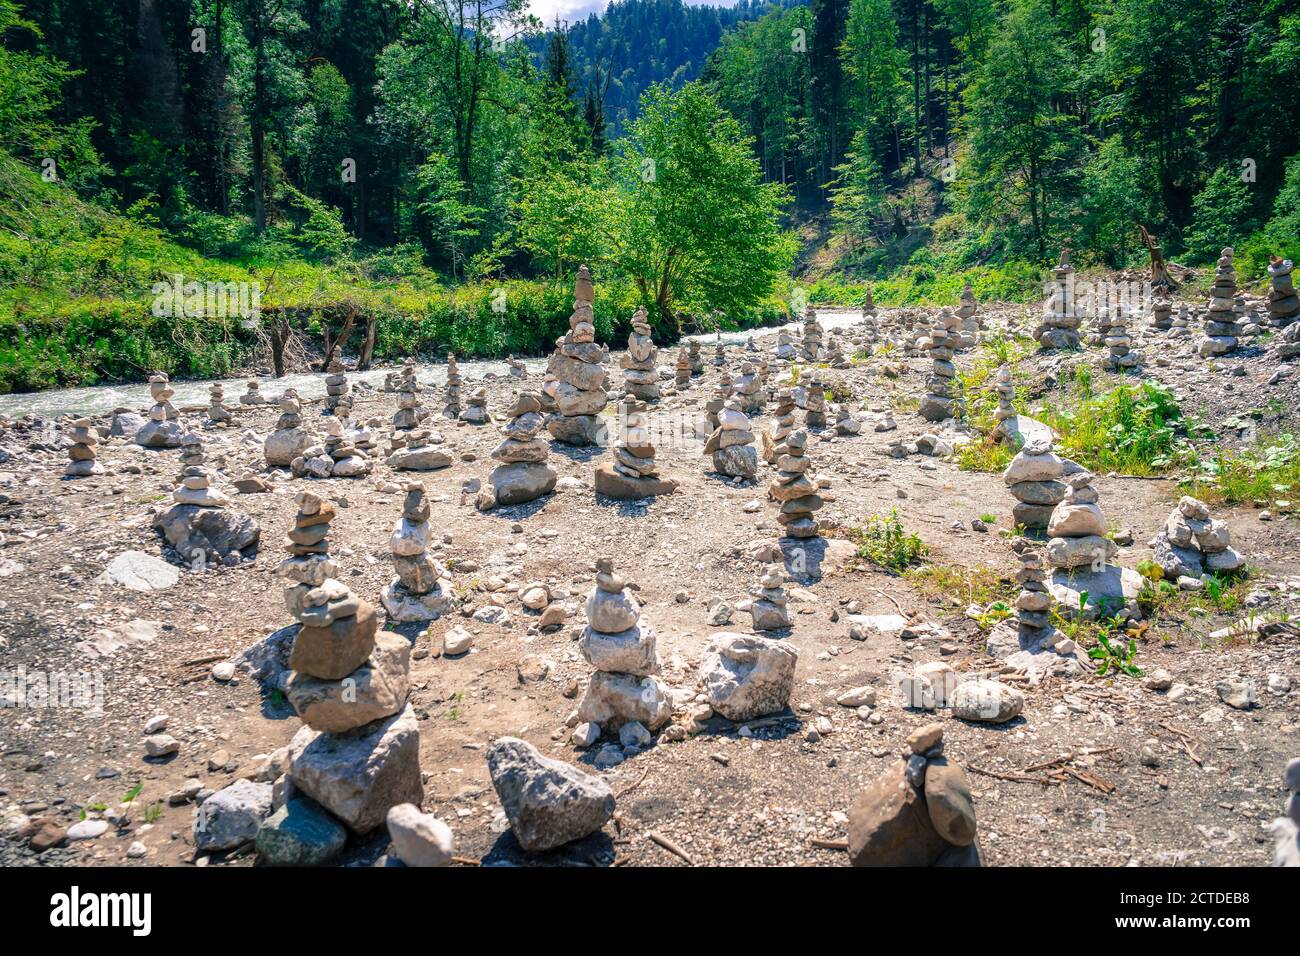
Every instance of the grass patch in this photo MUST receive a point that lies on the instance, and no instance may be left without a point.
(1131, 429)
(1267, 473)
(886, 543)
(963, 586)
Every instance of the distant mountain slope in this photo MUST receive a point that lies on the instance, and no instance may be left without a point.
(641, 42)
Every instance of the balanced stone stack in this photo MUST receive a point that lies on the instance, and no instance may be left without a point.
(409, 413)
(1034, 603)
(845, 424)
(1060, 326)
(622, 650)
(748, 390)
(633, 474)
(335, 457)
(712, 409)
(640, 375)
(781, 428)
(697, 358)
(1193, 544)
(422, 589)
(252, 394)
(939, 402)
(835, 356)
(163, 429)
(732, 443)
(523, 474)
(1120, 355)
(968, 325)
(725, 384)
(794, 490)
(1222, 327)
(81, 453)
(1283, 300)
(289, 439)
(337, 398)
(868, 306)
(1082, 554)
(476, 411)
(919, 812)
(719, 352)
(1006, 392)
(358, 756)
(1182, 325)
(1162, 313)
(200, 526)
(416, 451)
(1034, 479)
(218, 413)
(682, 371)
(785, 347)
(452, 408)
(575, 375)
(812, 338)
(770, 609)
(517, 368)
(814, 400)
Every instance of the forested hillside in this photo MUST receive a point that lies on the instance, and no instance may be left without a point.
(1005, 129)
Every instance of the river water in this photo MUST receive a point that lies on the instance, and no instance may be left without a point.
(101, 399)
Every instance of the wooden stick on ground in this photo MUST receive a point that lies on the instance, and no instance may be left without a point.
(670, 846)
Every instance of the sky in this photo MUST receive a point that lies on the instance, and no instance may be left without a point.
(575, 10)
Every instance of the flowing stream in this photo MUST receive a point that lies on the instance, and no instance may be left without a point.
(102, 399)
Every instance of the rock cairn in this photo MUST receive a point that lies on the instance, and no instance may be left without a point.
(770, 606)
(1082, 556)
(575, 375)
(338, 400)
(1034, 603)
(845, 424)
(785, 347)
(335, 457)
(633, 474)
(1182, 325)
(523, 474)
(814, 405)
(200, 526)
(217, 410)
(358, 756)
(719, 352)
(712, 408)
(1222, 328)
(919, 812)
(812, 337)
(682, 371)
(795, 490)
(696, 357)
(422, 589)
(1120, 355)
(1283, 301)
(81, 453)
(163, 429)
(939, 401)
(725, 384)
(748, 390)
(868, 305)
(782, 426)
(416, 451)
(252, 394)
(452, 408)
(1193, 544)
(640, 374)
(409, 413)
(732, 443)
(1060, 325)
(968, 324)
(476, 410)
(1006, 392)
(1034, 478)
(1162, 313)
(621, 648)
(289, 439)
(517, 368)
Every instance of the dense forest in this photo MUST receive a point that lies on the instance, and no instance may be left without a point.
(413, 159)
